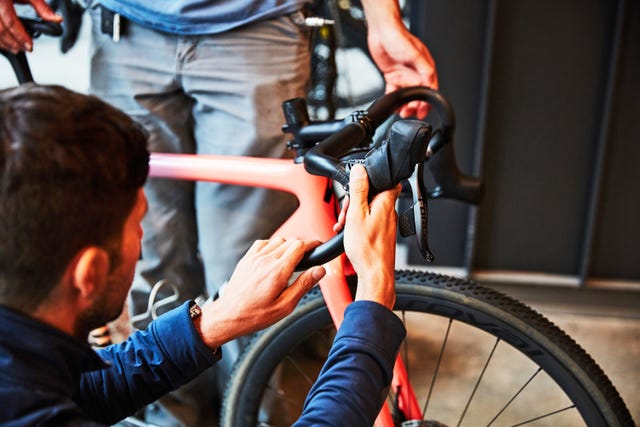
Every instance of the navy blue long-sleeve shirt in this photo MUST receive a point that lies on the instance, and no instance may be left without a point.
(48, 377)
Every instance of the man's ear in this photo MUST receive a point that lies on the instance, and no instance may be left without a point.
(90, 270)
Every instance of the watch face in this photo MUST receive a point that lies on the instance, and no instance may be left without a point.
(195, 311)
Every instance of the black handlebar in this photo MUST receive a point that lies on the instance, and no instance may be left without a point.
(323, 158)
(34, 27)
(410, 143)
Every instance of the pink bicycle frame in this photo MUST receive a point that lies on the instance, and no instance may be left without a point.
(314, 208)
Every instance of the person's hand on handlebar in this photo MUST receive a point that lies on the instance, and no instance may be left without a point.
(13, 36)
(258, 293)
(403, 59)
(370, 238)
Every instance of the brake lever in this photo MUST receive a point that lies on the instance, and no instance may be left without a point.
(414, 221)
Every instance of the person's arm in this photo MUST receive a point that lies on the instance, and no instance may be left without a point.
(13, 36)
(147, 365)
(258, 293)
(354, 380)
(175, 348)
(401, 57)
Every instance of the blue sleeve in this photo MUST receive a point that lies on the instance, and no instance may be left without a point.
(149, 364)
(354, 380)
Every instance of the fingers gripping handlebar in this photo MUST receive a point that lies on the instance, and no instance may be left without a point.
(410, 146)
(34, 27)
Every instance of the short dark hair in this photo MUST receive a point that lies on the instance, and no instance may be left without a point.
(71, 166)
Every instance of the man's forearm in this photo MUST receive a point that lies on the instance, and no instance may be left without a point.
(165, 356)
(382, 12)
(352, 385)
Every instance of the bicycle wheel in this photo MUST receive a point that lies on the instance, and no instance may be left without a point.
(473, 355)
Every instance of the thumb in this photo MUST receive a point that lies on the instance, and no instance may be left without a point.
(303, 284)
(358, 189)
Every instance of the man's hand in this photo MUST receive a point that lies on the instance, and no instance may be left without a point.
(13, 36)
(370, 238)
(258, 293)
(401, 57)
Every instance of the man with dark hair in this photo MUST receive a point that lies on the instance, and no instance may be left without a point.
(72, 170)
(71, 201)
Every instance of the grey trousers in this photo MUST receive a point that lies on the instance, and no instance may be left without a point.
(216, 94)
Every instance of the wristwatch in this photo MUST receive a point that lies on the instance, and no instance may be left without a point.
(194, 312)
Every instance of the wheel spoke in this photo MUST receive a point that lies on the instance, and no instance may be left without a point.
(435, 372)
(514, 396)
(475, 388)
(301, 371)
(405, 347)
(544, 416)
(282, 396)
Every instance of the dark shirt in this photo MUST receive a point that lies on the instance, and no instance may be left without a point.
(353, 383)
(48, 377)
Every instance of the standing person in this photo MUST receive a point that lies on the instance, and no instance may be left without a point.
(71, 172)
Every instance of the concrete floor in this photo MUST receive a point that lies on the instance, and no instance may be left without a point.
(612, 337)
